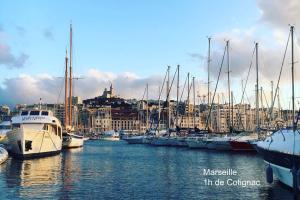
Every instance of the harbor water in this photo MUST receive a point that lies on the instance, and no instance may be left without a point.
(116, 170)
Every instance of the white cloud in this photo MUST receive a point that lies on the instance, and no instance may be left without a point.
(28, 89)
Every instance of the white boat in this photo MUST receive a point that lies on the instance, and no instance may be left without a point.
(110, 136)
(72, 140)
(281, 150)
(3, 155)
(35, 133)
(139, 139)
(5, 126)
(278, 151)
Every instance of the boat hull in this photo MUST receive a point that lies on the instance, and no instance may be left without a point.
(281, 164)
(73, 142)
(241, 146)
(134, 140)
(29, 143)
(218, 145)
(197, 144)
(3, 155)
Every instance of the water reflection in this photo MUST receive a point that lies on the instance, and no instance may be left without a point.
(34, 178)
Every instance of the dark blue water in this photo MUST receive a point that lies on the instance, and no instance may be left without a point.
(115, 170)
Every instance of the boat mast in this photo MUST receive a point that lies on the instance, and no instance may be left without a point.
(293, 88)
(70, 79)
(177, 100)
(218, 120)
(158, 108)
(66, 91)
(272, 94)
(168, 98)
(257, 90)
(147, 107)
(194, 103)
(208, 66)
(228, 80)
(188, 101)
(208, 81)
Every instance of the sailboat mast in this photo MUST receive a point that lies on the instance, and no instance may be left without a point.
(177, 99)
(66, 91)
(159, 108)
(188, 101)
(70, 79)
(293, 88)
(208, 66)
(168, 98)
(194, 103)
(147, 112)
(228, 80)
(208, 79)
(257, 89)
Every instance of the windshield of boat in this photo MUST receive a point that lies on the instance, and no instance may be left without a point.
(3, 127)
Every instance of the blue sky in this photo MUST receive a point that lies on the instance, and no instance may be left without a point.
(137, 36)
(131, 42)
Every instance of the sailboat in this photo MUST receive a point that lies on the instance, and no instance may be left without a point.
(216, 142)
(281, 150)
(141, 139)
(70, 138)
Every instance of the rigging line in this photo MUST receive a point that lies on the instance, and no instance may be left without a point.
(282, 63)
(189, 89)
(251, 63)
(169, 89)
(184, 85)
(268, 108)
(238, 122)
(168, 94)
(183, 88)
(206, 124)
(162, 87)
(144, 93)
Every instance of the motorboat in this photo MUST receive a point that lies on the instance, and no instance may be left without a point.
(281, 151)
(35, 133)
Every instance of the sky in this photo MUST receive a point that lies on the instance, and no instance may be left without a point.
(131, 42)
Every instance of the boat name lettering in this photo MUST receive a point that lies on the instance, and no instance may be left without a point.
(32, 118)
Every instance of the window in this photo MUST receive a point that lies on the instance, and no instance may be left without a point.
(46, 113)
(59, 131)
(15, 126)
(45, 127)
(35, 112)
(54, 129)
(4, 127)
(24, 113)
